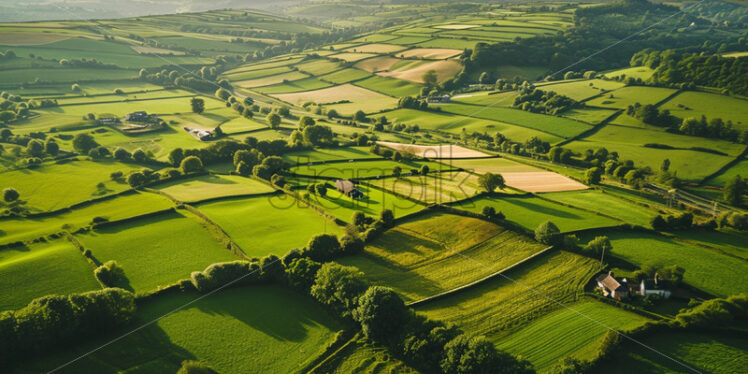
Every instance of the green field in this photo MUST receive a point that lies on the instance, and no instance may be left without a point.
(694, 104)
(583, 89)
(213, 186)
(329, 154)
(59, 266)
(560, 127)
(374, 201)
(529, 212)
(126, 206)
(705, 352)
(265, 225)
(419, 264)
(741, 168)
(362, 169)
(389, 86)
(611, 206)
(626, 96)
(589, 115)
(294, 86)
(65, 184)
(241, 124)
(524, 294)
(434, 188)
(157, 251)
(282, 333)
(572, 331)
(706, 269)
(642, 72)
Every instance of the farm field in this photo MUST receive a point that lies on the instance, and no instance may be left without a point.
(623, 97)
(293, 86)
(129, 205)
(362, 169)
(706, 270)
(520, 176)
(357, 97)
(530, 211)
(444, 69)
(143, 246)
(374, 201)
(525, 294)
(589, 115)
(66, 184)
(642, 72)
(741, 168)
(297, 334)
(611, 206)
(694, 104)
(213, 186)
(557, 126)
(583, 89)
(329, 154)
(365, 357)
(389, 86)
(241, 124)
(710, 352)
(572, 331)
(445, 151)
(418, 265)
(267, 225)
(435, 188)
(63, 265)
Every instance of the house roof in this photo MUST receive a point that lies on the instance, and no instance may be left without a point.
(344, 186)
(609, 282)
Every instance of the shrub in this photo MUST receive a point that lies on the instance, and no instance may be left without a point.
(548, 233)
(322, 247)
(191, 164)
(339, 287)
(387, 218)
(10, 195)
(382, 315)
(110, 274)
(223, 273)
(301, 273)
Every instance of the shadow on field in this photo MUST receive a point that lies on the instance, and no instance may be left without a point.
(543, 209)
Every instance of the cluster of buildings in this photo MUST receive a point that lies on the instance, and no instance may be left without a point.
(623, 289)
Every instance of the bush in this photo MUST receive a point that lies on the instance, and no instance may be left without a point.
(110, 274)
(223, 273)
(382, 315)
(548, 233)
(338, 287)
(10, 195)
(322, 247)
(191, 164)
(301, 272)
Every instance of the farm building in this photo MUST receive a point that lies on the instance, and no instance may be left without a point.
(348, 188)
(655, 286)
(612, 287)
(439, 99)
(140, 116)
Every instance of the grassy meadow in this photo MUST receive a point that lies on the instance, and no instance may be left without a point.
(212, 186)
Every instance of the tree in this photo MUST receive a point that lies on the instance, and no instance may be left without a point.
(598, 246)
(430, 79)
(222, 94)
(490, 182)
(359, 116)
(274, 120)
(243, 169)
(424, 170)
(320, 189)
(136, 179)
(50, 147)
(396, 171)
(358, 219)
(7, 116)
(387, 217)
(191, 164)
(139, 155)
(10, 195)
(322, 247)
(122, 154)
(593, 175)
(332, 113)
(382, 315)
(489, 211)
(339, 287)
(198, 105)
(547, 233)
(176, 156)
(301, 273)
(306, 121)
(318, 135)
(734, 191)
(465, 355)
(665, 165)
(35, 148)
(83, 143)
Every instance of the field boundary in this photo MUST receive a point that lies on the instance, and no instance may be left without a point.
(593, 130)
(479, 281)
(227, 241)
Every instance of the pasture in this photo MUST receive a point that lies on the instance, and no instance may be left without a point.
(444, 151)
(740, 168)
(623, 97)
(530, 211)
(353, 98)
(156, 251)
(444, 69)
(329, 154)
(345, 76)
(66, 184)
(352, 56)
(211, 187)
(572, 331)
(375, 48)
(435, 188)
(430, 53)
(582, 89)
(706, 269)
(304, 84)
(694, 104)
(589, 115)
(129, 205)
(295, 335)
(604, 203)
(523, 294)
(240, 125)
(60, 266)
(419, 263)
(267, 225)
(362, 169)
(389, 86)
(374, 201)
(642, 72)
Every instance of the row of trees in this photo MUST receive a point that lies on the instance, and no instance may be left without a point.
(713, 128)
(546, 102)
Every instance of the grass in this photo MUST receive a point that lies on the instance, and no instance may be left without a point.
(430, 53)
(529, 291)
(345, 76)
(706, 269)
(444, 69)
(689, 164)
(157, 251)
(121, 207)
(69, 75)
(354, 98)
(630, 95)
(435, 187)
(267, 225)
(372, 204)
(418, 263)
(375, 48)
(272, 80)
(574, 331)
(589, 115)
(607, 204)
(241, 124)
(362, 169)
(55, 186)
(212, 186)
(449, 43)
(741, 168)
(319, 67)
(694, 104)
(558, 126)
(364, 357)
(229, 331)
(60, 268)
(530, 211)
(294, 86)
(389, 86)
(455, 123)
(328, 154)
(258, 73)
(352, 56)
(580, 90)
(158, 106)
(706, 352)
(642, 72)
